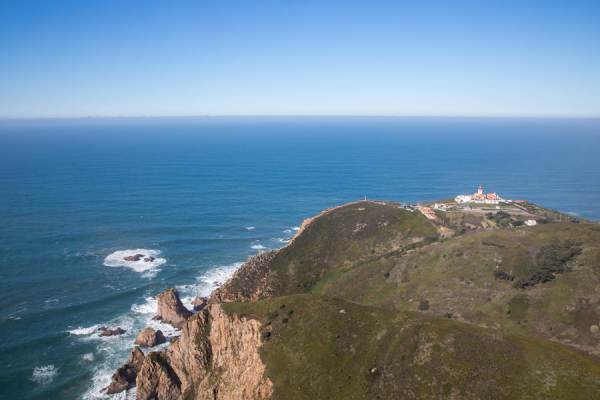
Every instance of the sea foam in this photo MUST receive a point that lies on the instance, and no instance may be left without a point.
(84, 331)
(258, 246)
(148, 268)
(44, 375)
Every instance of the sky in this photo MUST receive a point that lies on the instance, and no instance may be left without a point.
(290, 57)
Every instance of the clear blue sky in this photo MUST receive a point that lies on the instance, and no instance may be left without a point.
(292, 57)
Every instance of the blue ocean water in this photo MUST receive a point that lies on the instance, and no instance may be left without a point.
(203, 194)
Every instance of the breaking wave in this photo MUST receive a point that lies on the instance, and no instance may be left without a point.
(44, 375)
(148, 268)
(84, 331)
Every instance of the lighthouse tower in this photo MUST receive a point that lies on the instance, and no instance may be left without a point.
(480, 191)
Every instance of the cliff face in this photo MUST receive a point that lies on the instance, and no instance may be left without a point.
(215, 358)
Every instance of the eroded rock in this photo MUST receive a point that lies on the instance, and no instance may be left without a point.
(127, 373)
(148, 337)
(210, 337)
(199, 303)
(110, 332)
(136, 257)
(157, 380)
(171, 310)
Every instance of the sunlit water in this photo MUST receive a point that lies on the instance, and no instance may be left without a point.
(201, 195)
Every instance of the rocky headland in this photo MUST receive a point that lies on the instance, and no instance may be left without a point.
(372, 301)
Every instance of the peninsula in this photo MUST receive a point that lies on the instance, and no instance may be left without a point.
(372, 300)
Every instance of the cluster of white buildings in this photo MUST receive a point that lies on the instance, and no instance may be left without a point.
(480, 197)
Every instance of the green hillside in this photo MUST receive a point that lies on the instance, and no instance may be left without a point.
(466, 266)
(318, 347)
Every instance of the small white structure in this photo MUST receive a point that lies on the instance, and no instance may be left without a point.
(531, 222)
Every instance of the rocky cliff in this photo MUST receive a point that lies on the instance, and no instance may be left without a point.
(216, 358)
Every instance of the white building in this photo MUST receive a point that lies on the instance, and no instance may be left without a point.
(479, 197)
(531, 222)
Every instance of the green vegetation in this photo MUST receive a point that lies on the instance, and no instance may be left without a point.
(491, 244)
(375, 353)
(503, 219)
(551, 260)
(371, 301)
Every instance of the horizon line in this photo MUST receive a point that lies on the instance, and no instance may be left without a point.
(301, 116)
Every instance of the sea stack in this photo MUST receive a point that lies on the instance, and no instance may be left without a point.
(171, 310)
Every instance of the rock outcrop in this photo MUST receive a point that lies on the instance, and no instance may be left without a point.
(136, 257)
(171, 310)
(215, 358)
(149, 259)
(127, 373)
(110, 332)
(150, 338)
(199, 303)
(157, 380)
(249, 282)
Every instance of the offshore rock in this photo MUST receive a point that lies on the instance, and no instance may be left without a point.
(127, 373)
(136, 257)
(199, 303)
(149, 259)
(171, 310)
(110, 332)
(150, 338)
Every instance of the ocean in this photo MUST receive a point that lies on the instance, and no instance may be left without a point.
(203, 194)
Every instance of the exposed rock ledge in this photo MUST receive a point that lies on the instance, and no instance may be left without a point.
(127, 373)
(215, 358)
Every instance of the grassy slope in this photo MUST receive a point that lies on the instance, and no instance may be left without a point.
(333, 244)
(376, 353)
(456, 277)
(349, 251)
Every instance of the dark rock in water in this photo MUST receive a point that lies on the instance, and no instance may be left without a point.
(156, 318)
(199, 303)
(136, 257)
(171, 310)
(149, 259)
(127, 373)
(118, 331)
(110, 332)
(150, 338)
(102, 328)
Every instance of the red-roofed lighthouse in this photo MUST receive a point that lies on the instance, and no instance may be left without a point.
(480, 191)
